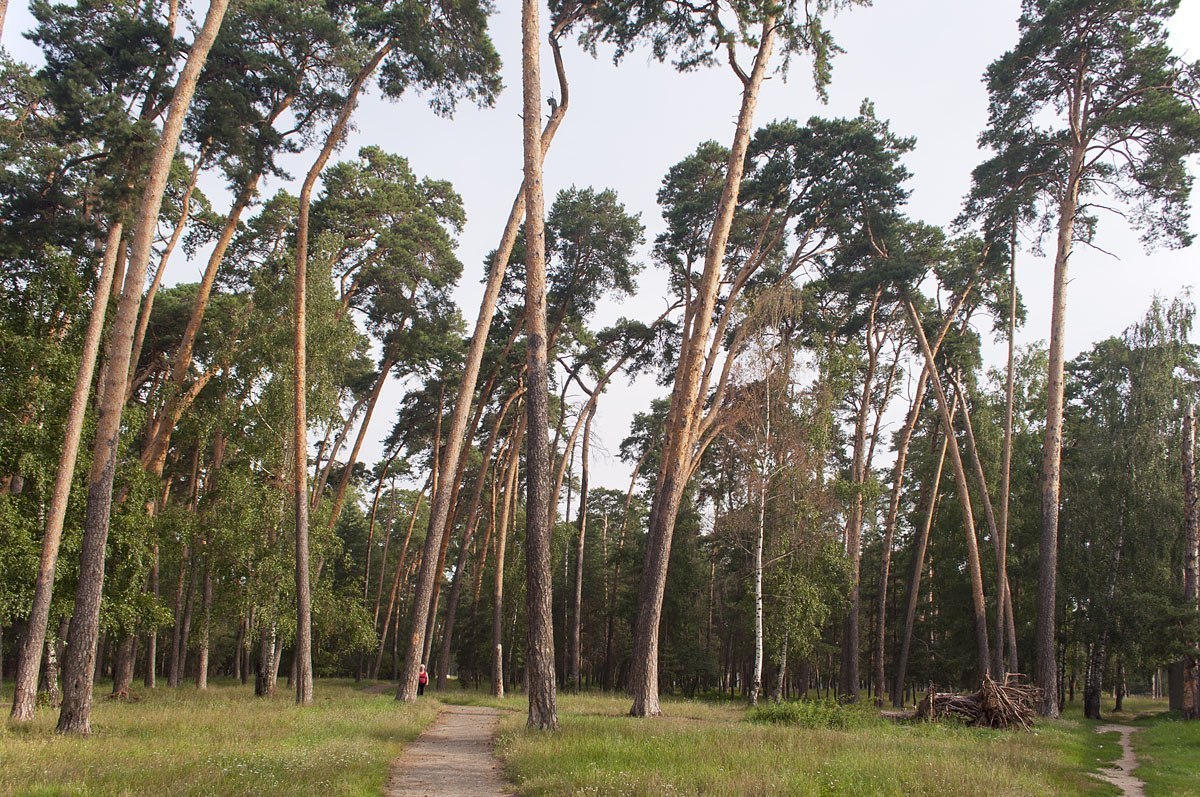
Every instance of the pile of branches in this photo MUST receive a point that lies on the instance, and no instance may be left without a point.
(1007, 705)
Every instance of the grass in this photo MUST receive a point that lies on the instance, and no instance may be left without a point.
(702, 748)
(223, 741)
(228, 743)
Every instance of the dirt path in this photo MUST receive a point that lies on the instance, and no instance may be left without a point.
(452, 758)
(1121, 774)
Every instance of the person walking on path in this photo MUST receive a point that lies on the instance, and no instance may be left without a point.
(422, 679)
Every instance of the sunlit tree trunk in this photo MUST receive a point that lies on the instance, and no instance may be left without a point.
(439, 505)
(29, 654)
(539, 656)
(678, 443)
(506, 512)
(80, 659)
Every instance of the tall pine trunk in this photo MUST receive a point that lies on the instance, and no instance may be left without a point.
(439, 505)
(539, 656)
(982, 652)
(506, 512)
(1045, 639)
(678, 443)
(81, 638)
(576, 627)
(930, 490)
(29, 655)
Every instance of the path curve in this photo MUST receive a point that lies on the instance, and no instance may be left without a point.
(452, 758)
(1121, 773)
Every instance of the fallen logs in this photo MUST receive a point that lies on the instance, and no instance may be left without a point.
(995, 705)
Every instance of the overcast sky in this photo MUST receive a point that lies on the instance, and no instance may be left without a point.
(920, 62)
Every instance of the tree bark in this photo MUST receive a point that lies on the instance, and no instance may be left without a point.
(678, 439)
(439, 506)
(29, 654)
(123, 671)
(983, 656)
(1006, 456)
(539, 656)
(506, 512)
(1046, 669)
(81, 638)
(848, 682)
(206, 616)
(1191, 560)
(931, 491)
(303, 652)
(576, 635)
(443, 665)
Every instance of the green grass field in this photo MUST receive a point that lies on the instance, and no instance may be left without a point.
(225, 742)
(707, 748)
(221, 742)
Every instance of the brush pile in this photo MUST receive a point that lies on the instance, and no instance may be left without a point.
(1007, 705)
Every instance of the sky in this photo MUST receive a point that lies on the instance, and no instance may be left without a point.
(919, 61)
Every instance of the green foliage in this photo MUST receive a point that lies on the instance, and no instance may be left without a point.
(809, 714)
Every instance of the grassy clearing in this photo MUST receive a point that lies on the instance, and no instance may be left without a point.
(1168, 749)
(224, 741)
(704, 748)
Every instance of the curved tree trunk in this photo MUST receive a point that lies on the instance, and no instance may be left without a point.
(29, 655)
(81, 638)
(678, 444)
(303, 652)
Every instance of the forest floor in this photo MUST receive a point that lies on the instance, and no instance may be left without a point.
(184, 742)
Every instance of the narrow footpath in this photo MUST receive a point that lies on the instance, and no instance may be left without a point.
(1121, 773)
(452, 758)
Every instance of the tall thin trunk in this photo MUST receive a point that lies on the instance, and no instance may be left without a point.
(931, 490)
(205, 617)
(387, 540)
(139, 335)
(539, 656)
(848, 681)
(339, 495)
(983, 655)
(439, 505)
(1046, 669)
(443, 667)
(388, 618)
(1191, 562)
(303, 652)
(889, 528)
(678, 442)
(506, 512)
(1002, 590)
(29, 655)
(610, 618)
(151, 677)
(576, 635)
(1006, 457)
(81, 638)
